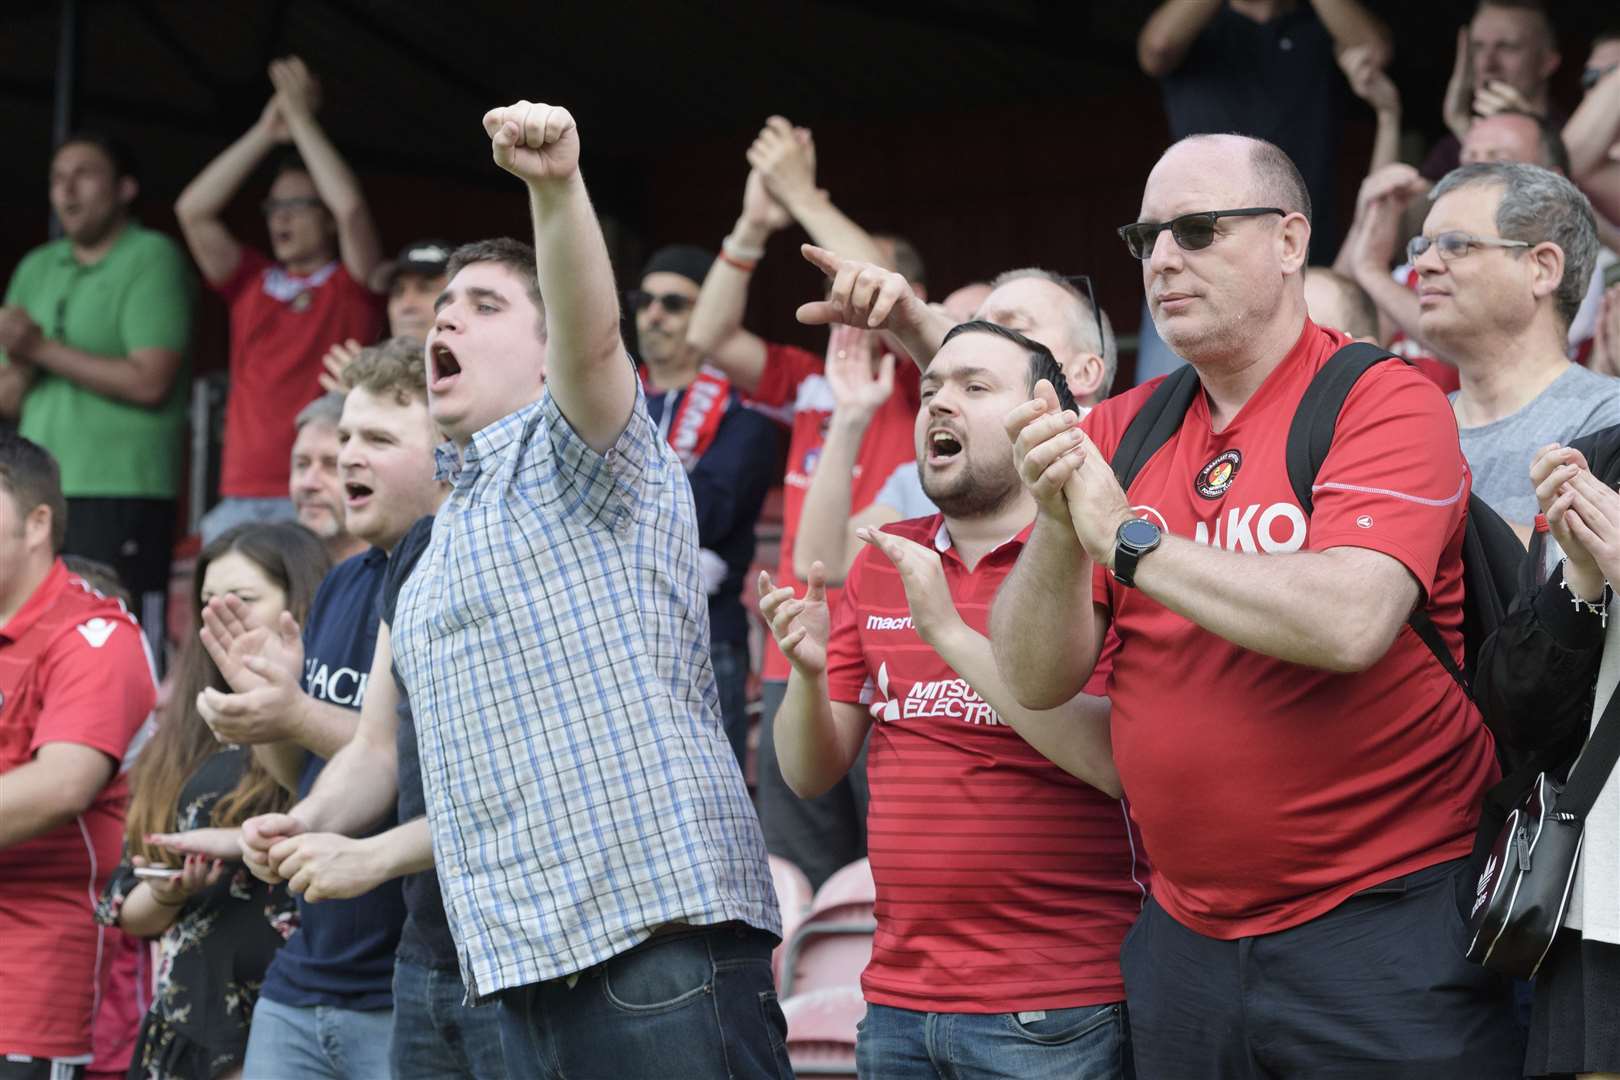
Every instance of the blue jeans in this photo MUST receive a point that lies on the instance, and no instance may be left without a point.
(730, 660)
(317, 1042)
(230, 513)
(436, 1034)
(683, 1006)
(1090, 1042)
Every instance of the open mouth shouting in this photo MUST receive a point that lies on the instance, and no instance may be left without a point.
(944, 446)
(356, 495)
(446, 369)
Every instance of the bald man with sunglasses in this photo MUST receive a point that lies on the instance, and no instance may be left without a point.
(1305, 773)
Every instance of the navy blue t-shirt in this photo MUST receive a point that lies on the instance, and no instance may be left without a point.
(425, 940)
(729, 485)
(343, 951)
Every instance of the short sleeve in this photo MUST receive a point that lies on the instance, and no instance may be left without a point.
(849, 678)
(603, 487)
(1394, 480)
(249, 266)
(111, 902)
(96, 687)
(786, 366)
(156, 312)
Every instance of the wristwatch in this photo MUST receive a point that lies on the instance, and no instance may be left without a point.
(1134, 539)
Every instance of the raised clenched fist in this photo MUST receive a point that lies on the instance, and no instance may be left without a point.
(533, 141)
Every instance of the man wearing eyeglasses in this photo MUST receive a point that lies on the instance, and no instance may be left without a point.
(286, 311)
(1305, 773)
(731, 454)
(1503, 265)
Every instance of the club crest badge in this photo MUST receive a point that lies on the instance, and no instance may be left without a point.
(1217, 476)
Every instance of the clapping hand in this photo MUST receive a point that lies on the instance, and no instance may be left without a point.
(800, 626)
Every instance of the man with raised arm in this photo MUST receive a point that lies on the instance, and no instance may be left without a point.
(286, 311)
(590, 824)
(1306, 773)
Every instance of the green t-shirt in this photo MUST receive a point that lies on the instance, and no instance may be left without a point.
(139, 296)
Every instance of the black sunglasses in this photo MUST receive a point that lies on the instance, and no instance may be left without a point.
(674, 303)
(1193, 232)
(301, 202)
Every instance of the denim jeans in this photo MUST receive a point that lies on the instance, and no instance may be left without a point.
(730, 661)
(1090, 1042)
(436, 1034)
(683, 1006)
(317, 1042)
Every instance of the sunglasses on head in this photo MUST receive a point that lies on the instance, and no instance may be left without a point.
(1192, 232)
(674, 303)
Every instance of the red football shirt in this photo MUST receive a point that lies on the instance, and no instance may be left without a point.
(1003, 883)
(794, 377)
(72, 669)
(1268, 792)
(281, 326)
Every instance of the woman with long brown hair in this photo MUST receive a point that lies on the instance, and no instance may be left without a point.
(218, 925)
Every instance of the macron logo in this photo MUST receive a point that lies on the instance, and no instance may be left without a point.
(882, 622)
(97, 631)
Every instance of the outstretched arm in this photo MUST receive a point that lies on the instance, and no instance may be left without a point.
(339, 190)
(866, 296)
(785, 157)
(202, 203)
(587, 369)
(1170, 32)
(715, 332)
(858, 392)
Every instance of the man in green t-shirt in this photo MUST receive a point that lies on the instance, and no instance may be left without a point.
(94, 335)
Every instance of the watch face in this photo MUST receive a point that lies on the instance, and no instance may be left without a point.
(1139, 533)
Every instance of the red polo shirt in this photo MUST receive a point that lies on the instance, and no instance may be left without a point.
(73, 669)
(1003, 883)
(281, 327)
(794, 377)
(1268, 792)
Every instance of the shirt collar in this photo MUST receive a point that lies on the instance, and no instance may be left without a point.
(942, 540)
(67, 258)
(486, 444)
(37, 604)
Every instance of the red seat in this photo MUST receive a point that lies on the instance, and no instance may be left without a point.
(821, 1031)
(793, 894)
(834, 944)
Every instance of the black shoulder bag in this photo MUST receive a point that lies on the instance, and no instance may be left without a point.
(1523, 891)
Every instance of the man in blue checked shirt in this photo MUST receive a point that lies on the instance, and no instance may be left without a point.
(601, 865)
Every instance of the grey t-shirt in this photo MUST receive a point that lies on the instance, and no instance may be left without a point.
(1577, 403)
(903, 490)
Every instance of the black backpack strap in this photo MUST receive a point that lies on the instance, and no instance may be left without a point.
(1153, 425)
(1311, 433)
(1310, 436)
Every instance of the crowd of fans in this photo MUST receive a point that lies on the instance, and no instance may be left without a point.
(491, 704)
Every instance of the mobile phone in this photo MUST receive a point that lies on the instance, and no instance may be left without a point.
(157, 872)
(1611, 274)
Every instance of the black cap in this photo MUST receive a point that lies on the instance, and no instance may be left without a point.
(425, 257)
(687, 260)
